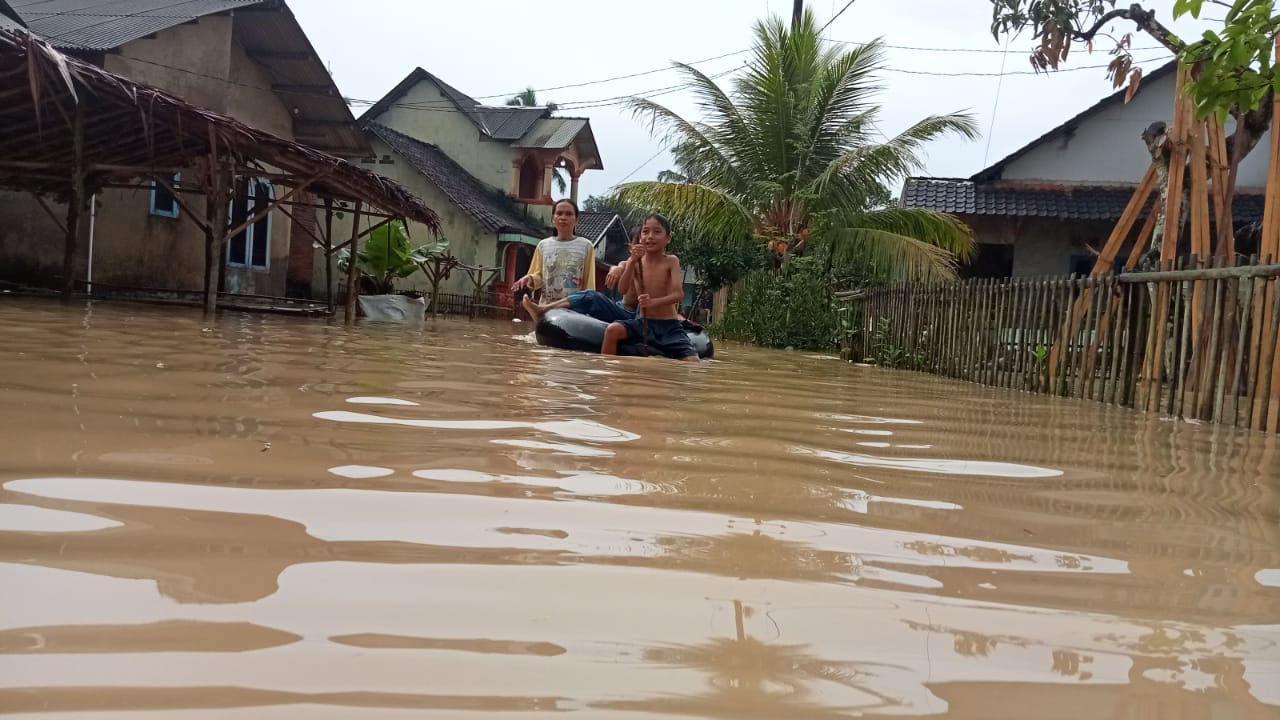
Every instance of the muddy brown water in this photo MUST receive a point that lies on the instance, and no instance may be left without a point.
(266, 517)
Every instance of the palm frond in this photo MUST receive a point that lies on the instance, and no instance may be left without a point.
(694, 209)
(889, 256)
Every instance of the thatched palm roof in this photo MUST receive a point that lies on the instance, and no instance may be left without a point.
(132, 130)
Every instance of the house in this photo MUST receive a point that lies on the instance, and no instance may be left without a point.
(245, 59)
(608, 233)
(9, 18)
(488, 170)
(1045, 208)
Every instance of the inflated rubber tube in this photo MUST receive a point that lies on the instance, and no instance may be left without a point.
(568, 330)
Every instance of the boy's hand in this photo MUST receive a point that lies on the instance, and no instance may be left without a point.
(637, 251)
(615, 274)
(643, 300)
(520, 284)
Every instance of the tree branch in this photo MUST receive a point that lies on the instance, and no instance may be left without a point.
(1144, 19)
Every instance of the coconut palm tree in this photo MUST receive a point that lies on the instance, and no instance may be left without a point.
(529, 98)
(793, 147)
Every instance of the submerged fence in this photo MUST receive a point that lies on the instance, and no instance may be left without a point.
(484, 305)
(1195, 340)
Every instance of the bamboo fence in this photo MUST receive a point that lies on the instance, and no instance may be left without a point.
(1198, 339)
(483, 305)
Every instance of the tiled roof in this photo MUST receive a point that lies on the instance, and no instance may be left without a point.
(606, 230)
(108, 24)
(493, 210)
(591, 225)
(1058, 201)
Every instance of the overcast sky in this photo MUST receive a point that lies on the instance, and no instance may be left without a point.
(492, 49)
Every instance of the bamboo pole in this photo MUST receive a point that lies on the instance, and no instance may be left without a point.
(1095, 358)
(1224, 357)
(1139, 303)
(1239, 382)
(1018, 373)
(75, 204)
(353, 267)
(1182, 321)
(1119, 307)
(1115, 241)
(1265, 405)
(1270, 251)
(218, 188)
(1043, 333)
(328, 253)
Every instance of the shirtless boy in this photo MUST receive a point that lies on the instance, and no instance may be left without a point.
(655, 278)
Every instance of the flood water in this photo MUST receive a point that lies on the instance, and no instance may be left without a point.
(267, 517)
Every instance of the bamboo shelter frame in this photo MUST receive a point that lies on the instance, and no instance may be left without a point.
(69, 129)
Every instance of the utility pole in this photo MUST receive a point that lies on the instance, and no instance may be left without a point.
(797, 10)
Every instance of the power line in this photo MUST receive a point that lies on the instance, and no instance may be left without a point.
(1005, 51)
(932, 73)
(833, 17)
(641, 167)
(996, 105)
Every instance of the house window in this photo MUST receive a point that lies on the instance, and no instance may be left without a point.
(251, 247)
(1082, 265)
(163, 203)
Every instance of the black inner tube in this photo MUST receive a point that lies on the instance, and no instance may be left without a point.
(568, 330)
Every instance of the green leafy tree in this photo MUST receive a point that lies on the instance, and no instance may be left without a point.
(385, 256)
(794, 144)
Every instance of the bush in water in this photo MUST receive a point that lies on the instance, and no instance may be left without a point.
(783, 309)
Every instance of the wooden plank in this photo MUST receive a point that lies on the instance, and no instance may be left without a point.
(1199, 195)
(1225, 246)
(1107, 257)
(1111, 250)
(1182, 118)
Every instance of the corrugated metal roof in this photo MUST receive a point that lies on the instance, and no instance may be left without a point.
(8, 17)
(552, 133)
(509, 123)
(108, 24)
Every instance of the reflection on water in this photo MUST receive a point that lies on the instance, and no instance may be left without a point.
(266, 517)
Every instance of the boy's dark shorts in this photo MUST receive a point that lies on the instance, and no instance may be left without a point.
(665, 336)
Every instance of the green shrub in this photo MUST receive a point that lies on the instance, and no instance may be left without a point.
(783, 309)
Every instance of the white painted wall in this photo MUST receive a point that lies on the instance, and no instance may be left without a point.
(1107, 146)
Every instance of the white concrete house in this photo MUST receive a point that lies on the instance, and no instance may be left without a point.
(1039, 210)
